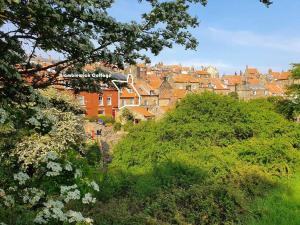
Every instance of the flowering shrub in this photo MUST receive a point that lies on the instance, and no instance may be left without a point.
(44, 175)
(51, 204)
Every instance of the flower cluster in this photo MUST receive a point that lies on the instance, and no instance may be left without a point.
(21, 177)
(68, 166)
(32, 195)
(88, 198)
(8, 200)
(70, 193)
(54, 210)
(55, 169)
(94, 185)
(78, 173)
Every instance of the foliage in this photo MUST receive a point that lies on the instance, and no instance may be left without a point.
(203, 163)
(45, 164)
(290, 107)
(126, 115)
(117, 126)
(234, 95)
(107, 119)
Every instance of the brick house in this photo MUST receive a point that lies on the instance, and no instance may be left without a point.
(105, 103)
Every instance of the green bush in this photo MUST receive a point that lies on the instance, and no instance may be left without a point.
(107, 119)
(92, 118)
(117, 126)
(203, 163)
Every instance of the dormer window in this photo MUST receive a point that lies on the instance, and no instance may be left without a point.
(151, 92)
(129, 90)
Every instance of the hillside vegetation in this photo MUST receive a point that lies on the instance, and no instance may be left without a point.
(212, 160)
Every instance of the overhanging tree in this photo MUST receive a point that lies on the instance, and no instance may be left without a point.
(84, 32)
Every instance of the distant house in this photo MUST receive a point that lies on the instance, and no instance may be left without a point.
(274, 90)
(104, 103)
(186, 82)
(149, 95)
(232, 82)
(139, 113)
(280, 78)
(216, 85)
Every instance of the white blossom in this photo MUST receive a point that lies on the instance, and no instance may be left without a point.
(94, 185)
(70, 193)
(32, 195)
(68, 167)
(51, 156)
(21, 177)
(9, 200)
(54, 167)
(77, 217)
(78, 173)
(52, 210)
(88, 198)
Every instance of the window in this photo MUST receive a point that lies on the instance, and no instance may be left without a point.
(101, 112)
(129, 90)
(81, 100)
(123, 102)
(254, 92)
(131, 101)
(151, 92)
(146, 102)
(100, 100)
(108, 100)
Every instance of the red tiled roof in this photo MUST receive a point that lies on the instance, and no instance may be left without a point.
(252, 71)
(218, 85)
(126, 94)
(202, 72)
(274, 89)
(281, 76)
(232, 80)
(183, 78)
(179, 93)
(154, 82)
(253, 80)
(142, 111)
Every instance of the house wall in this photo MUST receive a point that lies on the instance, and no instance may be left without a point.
(129, 101)
(92, 105)
(164, 102)
(152, 100)
(180, 85)
(113, 107)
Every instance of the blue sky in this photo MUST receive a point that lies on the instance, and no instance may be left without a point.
(233, 34)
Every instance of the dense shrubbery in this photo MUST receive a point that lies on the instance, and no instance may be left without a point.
(47, 169)
(204, 163)
(107, 119)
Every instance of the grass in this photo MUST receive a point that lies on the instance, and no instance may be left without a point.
(279, 207)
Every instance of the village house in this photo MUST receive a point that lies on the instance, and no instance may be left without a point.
(280, 78)
(216, 85)
(149, 96)
(186, 82)
(139, 113)
(274, 90)
(232, 82)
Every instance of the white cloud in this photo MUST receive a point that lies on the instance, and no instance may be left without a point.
(252, 39)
